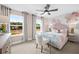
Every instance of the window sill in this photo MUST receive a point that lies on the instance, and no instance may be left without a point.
(17, 35)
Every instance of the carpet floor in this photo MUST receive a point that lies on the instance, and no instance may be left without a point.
(30, 48)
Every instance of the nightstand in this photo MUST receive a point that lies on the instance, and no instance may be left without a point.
(71, 36)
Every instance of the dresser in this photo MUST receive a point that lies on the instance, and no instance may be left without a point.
(5, 43)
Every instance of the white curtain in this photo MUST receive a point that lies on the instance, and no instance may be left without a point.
(33, 26)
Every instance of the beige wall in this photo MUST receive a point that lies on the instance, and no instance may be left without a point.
(27, 26)
(4, 19)
(45, 25)
(16, 12)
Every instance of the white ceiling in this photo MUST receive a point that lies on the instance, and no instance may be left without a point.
(31, 8)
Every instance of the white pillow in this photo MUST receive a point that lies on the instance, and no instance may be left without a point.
(54, 30)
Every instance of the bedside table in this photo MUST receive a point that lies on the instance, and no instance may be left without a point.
(71, 36)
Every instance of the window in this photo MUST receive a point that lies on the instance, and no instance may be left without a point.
(38, 25)
(3, 28)
(16, 24)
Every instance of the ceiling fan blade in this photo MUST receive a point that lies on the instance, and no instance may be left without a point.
(40, 10)
(47, 6)
(42, 13)
(53, 10)
(49, 13)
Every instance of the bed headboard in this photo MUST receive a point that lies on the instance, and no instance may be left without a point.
(59, 27)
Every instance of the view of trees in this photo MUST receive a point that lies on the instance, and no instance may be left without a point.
(15, 27)
(37, 26)
(15, 23)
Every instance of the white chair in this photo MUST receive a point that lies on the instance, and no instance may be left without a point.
(41, 41)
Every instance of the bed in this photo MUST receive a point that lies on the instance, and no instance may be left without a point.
(58, 35)
(55, 39)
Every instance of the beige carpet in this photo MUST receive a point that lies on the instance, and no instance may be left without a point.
(29, 48)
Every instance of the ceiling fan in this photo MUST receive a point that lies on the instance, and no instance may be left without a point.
(46, 10)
